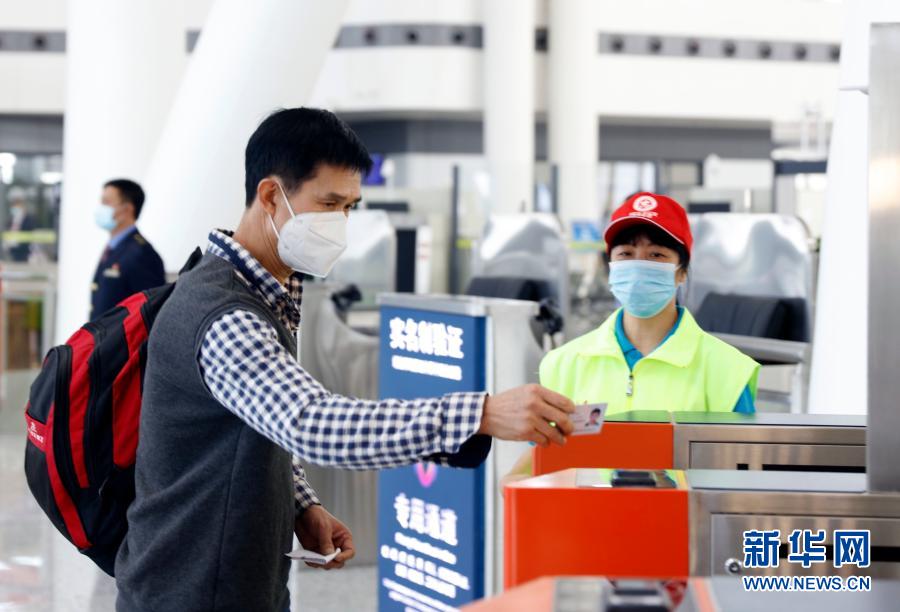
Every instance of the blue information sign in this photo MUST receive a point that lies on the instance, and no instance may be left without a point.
(430, 518)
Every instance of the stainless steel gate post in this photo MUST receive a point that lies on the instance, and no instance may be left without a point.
(883, 450)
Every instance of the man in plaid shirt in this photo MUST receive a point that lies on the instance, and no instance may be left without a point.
(303, 174)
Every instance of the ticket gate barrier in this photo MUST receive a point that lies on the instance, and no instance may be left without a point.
(724, 440)
(566, 524)
(662, 523)
(712, 594)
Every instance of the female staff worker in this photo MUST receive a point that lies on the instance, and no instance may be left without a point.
(650, 354)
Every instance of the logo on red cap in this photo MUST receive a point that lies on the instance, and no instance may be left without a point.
(659, 210)
(645, 203)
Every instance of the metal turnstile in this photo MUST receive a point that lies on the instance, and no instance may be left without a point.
(711, 594)
(663, 523)
(653, 439)
(725, 503)
(345, 361)
(770, 442)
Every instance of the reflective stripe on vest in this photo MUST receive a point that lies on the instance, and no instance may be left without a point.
(692, 370)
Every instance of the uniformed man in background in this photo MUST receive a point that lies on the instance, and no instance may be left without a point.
(129, 263)
(20, 222)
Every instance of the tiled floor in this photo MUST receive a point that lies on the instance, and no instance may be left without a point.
(41, 572)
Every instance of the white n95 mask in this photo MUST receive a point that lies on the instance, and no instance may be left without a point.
(311, 242)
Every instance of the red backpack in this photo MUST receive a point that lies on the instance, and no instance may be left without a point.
(82, 422)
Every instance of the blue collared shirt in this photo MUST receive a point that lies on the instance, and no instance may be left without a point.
(116, 240)
(632, 355)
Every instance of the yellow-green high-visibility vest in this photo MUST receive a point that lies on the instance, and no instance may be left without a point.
(692, 370)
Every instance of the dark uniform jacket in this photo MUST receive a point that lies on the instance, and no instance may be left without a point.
(132, 266)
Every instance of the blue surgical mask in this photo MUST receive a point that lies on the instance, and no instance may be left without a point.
(644, 288)
(103, 216)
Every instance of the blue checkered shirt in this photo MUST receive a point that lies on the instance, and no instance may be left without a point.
(249, 372)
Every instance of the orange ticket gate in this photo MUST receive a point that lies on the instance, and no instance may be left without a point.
(640, 439)
(616, 523)
(710, 594)
(596, 594)
(657, 524)
(654, 440)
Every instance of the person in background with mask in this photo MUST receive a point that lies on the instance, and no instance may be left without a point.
(20, 220)
(650, 354)
(129, 263)
(228, 411)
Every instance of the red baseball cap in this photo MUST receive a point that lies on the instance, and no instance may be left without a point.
(647, 208)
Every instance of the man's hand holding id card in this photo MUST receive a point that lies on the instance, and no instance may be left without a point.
(588, 418)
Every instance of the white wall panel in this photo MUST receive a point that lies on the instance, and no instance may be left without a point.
(445, 80)
(508, 85)
(195, 13)
(712, 88)
(413, 11)
(32, 83)
(32, 14)
(815, 20)
(397, 79)
(807, 20)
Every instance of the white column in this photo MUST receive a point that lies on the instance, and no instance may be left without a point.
(251, 58)
(572, 107)
(123, 63)
(508, 71)
(839, 378)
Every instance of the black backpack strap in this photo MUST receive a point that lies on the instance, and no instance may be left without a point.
(192, 261)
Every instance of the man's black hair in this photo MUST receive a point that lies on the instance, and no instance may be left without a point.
(131, 192)
(595, 411)
(292, 142)
(655, 235)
